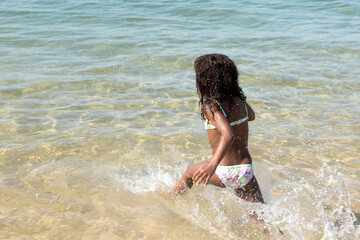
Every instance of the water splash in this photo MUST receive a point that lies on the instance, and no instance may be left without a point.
(305, 208)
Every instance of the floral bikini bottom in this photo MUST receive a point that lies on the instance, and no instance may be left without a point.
(236, 176)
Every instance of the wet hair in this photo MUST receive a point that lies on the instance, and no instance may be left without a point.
(217, 79)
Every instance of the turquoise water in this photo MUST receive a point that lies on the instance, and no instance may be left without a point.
(98, 105)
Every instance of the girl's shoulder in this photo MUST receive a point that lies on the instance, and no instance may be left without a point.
(239, 101)
(210, 103)
(210, 106)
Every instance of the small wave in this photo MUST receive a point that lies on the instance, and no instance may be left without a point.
(316, 208)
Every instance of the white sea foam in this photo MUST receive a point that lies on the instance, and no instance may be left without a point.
(316, 208)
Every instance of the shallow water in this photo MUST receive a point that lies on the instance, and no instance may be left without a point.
(99, 107)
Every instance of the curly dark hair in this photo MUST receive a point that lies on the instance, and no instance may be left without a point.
(217, 79)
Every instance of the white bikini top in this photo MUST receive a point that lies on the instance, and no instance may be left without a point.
(237, 122)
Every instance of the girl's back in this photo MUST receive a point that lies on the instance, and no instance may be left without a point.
(238, 114)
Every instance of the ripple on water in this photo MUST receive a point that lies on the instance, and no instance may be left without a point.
(99, 104)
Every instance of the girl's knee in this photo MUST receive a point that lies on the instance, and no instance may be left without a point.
(189, 171)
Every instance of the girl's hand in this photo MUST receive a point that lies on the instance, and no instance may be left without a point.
(204, 173)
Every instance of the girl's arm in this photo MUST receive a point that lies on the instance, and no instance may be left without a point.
(227, 137)
(251, 113)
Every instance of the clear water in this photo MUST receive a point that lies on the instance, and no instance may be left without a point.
(98, 106)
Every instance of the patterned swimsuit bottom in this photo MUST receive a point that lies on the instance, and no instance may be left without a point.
(236, 176)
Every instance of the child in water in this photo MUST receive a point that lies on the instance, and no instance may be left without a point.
(226, 115)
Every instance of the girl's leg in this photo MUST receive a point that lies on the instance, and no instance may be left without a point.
(186, 181)
(251, 192)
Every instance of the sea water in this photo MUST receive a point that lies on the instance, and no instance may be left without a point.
(99, 108)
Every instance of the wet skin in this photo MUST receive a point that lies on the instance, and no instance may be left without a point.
(229, 145)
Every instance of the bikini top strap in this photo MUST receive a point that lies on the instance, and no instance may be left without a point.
(246, 109)
(223, 111)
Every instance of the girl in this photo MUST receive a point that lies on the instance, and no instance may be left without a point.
(226, 114)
